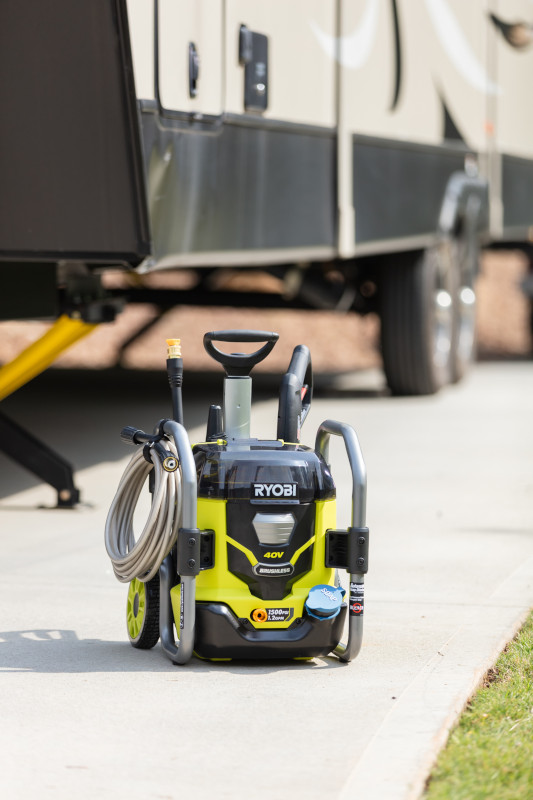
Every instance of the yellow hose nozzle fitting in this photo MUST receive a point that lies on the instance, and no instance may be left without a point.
(174, 348)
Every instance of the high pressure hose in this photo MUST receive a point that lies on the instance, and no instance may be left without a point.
(142, 558)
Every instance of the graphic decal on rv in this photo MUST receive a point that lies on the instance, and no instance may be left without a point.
(397, 56)
(352, 51)
(457, 48)
(450, 130)
(518, 34)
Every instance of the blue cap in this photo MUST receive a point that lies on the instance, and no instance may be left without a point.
(324, 602)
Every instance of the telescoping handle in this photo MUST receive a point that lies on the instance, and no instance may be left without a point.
(239, 364)
(295, 395)
(347, 652)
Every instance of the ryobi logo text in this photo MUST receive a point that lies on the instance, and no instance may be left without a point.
(274, 489)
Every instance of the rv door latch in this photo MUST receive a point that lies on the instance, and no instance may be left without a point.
(253, 55)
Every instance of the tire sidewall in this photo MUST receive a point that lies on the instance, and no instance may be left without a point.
(149, 632)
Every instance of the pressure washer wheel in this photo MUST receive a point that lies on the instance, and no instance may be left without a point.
(142, 613)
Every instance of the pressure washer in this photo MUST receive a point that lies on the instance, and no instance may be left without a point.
(240, 555)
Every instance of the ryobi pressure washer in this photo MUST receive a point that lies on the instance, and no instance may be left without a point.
(240, 551)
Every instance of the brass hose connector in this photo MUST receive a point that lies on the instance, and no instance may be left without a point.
(174, 348)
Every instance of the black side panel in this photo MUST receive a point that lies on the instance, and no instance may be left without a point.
(70, 157)
(399, 186)
(236, 186)
(517, 192)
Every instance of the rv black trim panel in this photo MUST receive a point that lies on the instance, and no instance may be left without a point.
(238, 187)
(72, 182)
(398, 187)
(517, 196)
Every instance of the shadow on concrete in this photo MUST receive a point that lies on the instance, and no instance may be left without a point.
(79, 413)
(61, 651)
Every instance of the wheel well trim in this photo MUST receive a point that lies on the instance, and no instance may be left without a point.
(465, 201)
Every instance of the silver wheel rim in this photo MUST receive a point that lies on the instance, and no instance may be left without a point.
(443, 329)
(467, 324)
(465, 332)
(443, 317)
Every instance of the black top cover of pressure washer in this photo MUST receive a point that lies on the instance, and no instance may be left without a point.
(262, 472)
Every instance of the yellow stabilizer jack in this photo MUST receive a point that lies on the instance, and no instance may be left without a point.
(39, 355)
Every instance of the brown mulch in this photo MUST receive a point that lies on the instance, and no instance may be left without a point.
(503, 310)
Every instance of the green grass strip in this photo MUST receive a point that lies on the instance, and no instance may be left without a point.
(489, 754)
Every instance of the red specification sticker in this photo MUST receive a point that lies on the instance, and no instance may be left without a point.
(357, 599)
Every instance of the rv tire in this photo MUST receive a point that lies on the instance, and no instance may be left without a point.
(416, 309)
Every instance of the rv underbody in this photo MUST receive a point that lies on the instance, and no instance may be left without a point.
(361, 153)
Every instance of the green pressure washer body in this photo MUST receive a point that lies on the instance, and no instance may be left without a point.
(245, 558)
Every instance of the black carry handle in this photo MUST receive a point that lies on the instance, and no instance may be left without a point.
(295, 395)
(239, 364)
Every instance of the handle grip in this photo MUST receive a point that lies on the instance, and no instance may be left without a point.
(296, 393)
(131, 435)
(241, 336)
(239, 364)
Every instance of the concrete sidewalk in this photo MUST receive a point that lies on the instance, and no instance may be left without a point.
(451, 578)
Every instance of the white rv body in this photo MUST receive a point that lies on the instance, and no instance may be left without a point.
(389, 71)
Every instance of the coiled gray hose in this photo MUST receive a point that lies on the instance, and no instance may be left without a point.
(142, 559)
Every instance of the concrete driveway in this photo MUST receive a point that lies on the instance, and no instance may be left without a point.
(450, 509)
